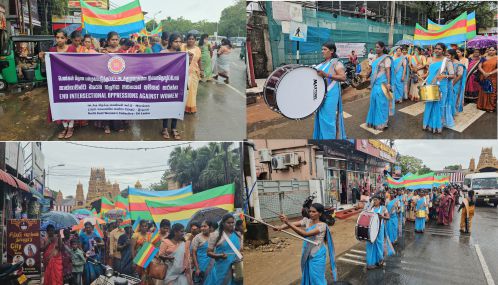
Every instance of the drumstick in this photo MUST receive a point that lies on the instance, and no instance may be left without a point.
(292, 234)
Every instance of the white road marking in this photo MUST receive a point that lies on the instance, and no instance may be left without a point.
(351, 261)
(355, 256)
(243, 95)
(484, 266)
(358, 251)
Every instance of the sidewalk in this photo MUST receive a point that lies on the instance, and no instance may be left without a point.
(279, 262)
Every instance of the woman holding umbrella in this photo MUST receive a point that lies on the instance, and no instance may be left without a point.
(487, 95)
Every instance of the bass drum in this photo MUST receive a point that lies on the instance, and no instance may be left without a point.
(367, 226)
(295, 91)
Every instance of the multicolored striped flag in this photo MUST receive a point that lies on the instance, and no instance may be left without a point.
(125, 20)
(121, 203)
(137, 198)
(181, 210)
(136, 224)
(414, 182)
(471, 25)
(106, 205)
(452, 33)
(145, 255)
(441, 180)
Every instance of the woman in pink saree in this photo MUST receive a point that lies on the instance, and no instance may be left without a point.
(472, 85)
(444, 208)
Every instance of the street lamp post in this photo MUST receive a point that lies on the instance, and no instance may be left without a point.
(154, 18)
(48, 171)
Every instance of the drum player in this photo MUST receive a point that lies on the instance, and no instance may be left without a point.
(375, 250)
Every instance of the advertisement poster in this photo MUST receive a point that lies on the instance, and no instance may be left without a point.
(23, 244)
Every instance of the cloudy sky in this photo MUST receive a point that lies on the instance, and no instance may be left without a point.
(123, 166)
(194, 10)
(439, 153)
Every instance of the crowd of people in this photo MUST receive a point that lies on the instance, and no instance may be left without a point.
(395, 207)
(462, 76)
(200, 67)
(205, 253)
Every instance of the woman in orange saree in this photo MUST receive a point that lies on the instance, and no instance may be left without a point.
(487, 94)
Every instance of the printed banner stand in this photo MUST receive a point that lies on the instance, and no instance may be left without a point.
(117, 86)
(298, 32)
(23, 244)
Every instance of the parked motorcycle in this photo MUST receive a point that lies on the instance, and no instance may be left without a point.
(12, 274)
(352, 76)
(111, 277)
(329, 212)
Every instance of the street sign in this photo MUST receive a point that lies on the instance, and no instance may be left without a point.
(298, 32)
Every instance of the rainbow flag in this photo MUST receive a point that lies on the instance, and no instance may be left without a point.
(136, 224)
(181, 210)
(121, 203)
(154, 33)
(125, 20)
(452, 33)
(137, 198)
(106, 205)
(441, 180)
(414, 182)
(471, 25)
(145, 255)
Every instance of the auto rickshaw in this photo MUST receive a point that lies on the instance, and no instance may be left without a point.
(19, 61)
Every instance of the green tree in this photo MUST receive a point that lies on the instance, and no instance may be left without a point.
(162, 184)
(453, 167)
(233, 20)
(424, 170)
(151, 25)
(410, 164)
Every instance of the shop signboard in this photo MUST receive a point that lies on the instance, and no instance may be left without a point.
(377, 149)
(23, 244)
(14, 156)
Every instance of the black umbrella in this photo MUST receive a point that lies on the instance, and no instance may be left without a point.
(194, 32)
(60, 220)
(212, 214)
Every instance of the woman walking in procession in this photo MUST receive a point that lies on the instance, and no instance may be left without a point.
(138, 239)
(314, 257)
(92, 245)
(176, 255)
(206, 57)
(418, 66)
(199, 249)
(223, 60)
(457, 86)
(329, 121)
(52, 248)
(223, 247)
(174, 45)
(487, 94)
(399, 75)
(375, 250)
(467, 207)
(472, 84)
(194, 73)
(438, 113)
(379, 109)
(124, 247)
(421, 215)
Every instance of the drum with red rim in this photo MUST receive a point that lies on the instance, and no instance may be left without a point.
(295, 91)
(367, 226)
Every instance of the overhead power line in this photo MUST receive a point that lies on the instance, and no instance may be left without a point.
(125, 148)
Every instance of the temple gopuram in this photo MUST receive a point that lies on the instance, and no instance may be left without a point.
(98, 186)
(487, 161)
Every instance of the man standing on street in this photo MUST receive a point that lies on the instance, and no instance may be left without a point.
(113, 244)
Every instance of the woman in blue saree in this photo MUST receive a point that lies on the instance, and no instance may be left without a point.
(92, 245)
(378, 111)
(458, 83)
(314, 257)
(421, 206)
(221, 246)
(392, 224)
(375, 250)
(438, 113)
(329, 121)
(399, 75)
(199, 249)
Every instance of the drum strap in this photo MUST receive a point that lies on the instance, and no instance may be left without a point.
(330, 66)
(399, 65)
(232, 246)
(443, 68)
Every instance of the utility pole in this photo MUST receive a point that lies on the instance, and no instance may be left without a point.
(439, 17)
(391, 29)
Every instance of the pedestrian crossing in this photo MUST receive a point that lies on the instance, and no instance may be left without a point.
(414, 109)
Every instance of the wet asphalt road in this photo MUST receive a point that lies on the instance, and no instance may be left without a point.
(439, 256)
(401, 126)
(220, 115)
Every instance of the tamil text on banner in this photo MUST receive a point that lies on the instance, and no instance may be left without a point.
(181, 210)
(137, 198)
(344, 49)
(23, 244)
(117, 86)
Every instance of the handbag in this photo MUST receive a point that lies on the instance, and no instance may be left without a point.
(486, 86)
(157, 269)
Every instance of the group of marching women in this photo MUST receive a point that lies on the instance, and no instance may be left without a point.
(206, 254)
(405, 72)
(200, 67)
(394, 207)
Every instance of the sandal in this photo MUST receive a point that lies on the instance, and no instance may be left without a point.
(176, 135)
(107, 130)
(165, 133)
(62, 134)
(69, 133)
